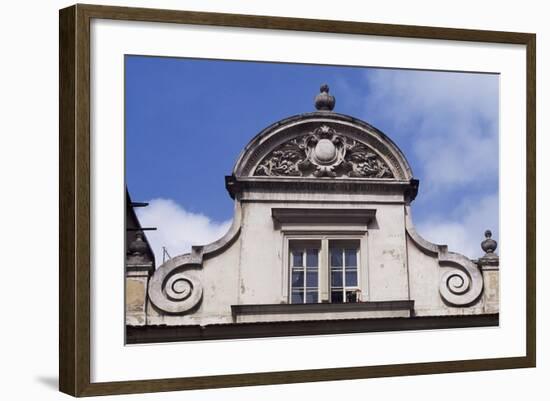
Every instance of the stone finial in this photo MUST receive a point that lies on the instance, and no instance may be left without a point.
(137, 247)
(489, 245)
(324, 101)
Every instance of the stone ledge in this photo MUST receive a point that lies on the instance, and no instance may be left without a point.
(321, 307)
(326, 215)
(156, 334)
(238, 185)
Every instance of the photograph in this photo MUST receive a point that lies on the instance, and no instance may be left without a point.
(276, 198)
(267, 199)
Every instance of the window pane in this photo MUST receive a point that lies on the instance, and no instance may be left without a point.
(336, 278)
(297, 297)
(351, 296)
(312, 258)
(351, 257)
(297, 258)
(312, 278)
(312, 297)
(336, 257)
(336, 297)
(297, 278)
(351, 278)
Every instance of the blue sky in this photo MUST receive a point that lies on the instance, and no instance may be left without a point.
(187, 121)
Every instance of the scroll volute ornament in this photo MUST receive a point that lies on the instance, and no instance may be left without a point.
(323, 153)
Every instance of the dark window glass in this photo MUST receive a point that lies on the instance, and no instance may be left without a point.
(311, 297)
(297, 278)
(312, 258)
(351, 278)
(312, 278)
(351, 257)
(297, 259)
(336, 278)
(336, 257)
(297, 297)
(336, 297)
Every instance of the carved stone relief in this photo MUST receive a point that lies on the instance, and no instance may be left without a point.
(175, 288)
(461, 281)
(323, 153)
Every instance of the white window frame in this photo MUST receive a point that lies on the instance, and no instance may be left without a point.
(304, 247)
(345, 245)
(325, 236)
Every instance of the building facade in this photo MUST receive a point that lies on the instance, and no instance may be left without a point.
(322, 233)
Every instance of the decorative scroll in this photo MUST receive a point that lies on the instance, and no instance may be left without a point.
(175, 287)
(174, 290)
(323, 153)
(461, 283)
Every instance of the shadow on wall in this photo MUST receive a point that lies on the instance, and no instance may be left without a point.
(49, 381)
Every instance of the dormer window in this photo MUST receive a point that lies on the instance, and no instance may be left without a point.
(325, 254)
(324, 270)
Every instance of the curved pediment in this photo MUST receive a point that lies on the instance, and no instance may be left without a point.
(323, 144)
(323, 153)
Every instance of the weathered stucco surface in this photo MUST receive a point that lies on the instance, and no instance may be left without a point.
(136, 296)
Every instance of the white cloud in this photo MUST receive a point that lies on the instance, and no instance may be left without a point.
(452, 120)
(465, 232)
(177, 229)
(450, 123)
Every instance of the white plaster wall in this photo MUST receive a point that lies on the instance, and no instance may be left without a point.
(219, 278)
(424, 273)
(387, 255)
(260, 280)
(253, 270)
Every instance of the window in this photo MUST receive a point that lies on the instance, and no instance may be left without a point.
(324, 271)
(304, 262)
(343, 272)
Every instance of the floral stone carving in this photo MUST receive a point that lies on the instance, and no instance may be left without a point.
(323, 153)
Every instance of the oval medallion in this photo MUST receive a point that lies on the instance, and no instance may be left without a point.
(325, 151)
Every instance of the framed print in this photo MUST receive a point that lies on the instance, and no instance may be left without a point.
(314, 200)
